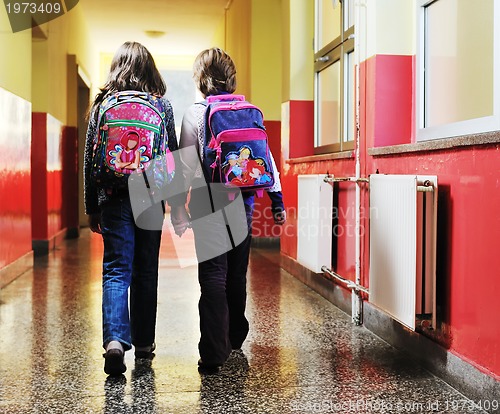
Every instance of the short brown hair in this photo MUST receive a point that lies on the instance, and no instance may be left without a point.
(214, 72)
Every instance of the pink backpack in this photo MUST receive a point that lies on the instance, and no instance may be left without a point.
(131, 139)
(236, 152)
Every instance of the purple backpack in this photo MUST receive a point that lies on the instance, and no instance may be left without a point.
(236, 153)
(131, 139)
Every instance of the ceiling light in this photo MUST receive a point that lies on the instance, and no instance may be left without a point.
(154, 33)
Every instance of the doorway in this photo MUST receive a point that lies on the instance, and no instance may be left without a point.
(83, 99)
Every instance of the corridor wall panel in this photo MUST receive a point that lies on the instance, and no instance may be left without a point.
(46, 162)
(15, 178)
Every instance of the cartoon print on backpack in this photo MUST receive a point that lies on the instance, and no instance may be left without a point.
(258, 172)
(230, 168)
(126, 155)
(242, 169)
(245, 154)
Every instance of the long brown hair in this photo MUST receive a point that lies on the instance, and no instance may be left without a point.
(132, 68)
(214, 72)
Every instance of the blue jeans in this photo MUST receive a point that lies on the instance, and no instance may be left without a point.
(130, 259)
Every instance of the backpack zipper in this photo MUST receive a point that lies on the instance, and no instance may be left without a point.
(140, 101)
(132, 123)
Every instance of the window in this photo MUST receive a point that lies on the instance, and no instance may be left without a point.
(458, 69)
(334, 76)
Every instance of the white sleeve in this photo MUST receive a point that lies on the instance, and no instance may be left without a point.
(276, 174)
(191, 142)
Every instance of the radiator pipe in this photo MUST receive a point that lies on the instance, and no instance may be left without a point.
(356, 288)
(332, 179)
(331, 275)
(425, 186)
(356, 299)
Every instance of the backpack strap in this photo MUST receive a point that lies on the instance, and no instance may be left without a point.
(225, 97)
(207, 113)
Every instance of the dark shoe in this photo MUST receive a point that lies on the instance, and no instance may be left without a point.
(208, 369)
(145, 354)
(113, 362)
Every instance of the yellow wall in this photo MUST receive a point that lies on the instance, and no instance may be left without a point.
(301, 35)
(265, 60)
(238, 33)
(219, 38)
(50, 71)
(65, 35)
(285, 54)
(40, 75)
(330, 21)
(390, 28)
(79, 44)
(253, 38)
(15, 67)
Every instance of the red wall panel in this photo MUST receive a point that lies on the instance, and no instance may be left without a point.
(70, 178)
(54, 202)
(298, 143)
(263, 224)
(468, 233)
(15, 178)
(46, 178)
(387, 83)
(343, 214)
(39, 177)
(301, 129)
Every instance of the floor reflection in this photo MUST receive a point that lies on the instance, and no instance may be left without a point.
(114, 392)
(143, 387)
(226, 391)
(302, 355)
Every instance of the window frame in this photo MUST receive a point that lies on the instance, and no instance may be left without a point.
(460, 128)
(335, 51)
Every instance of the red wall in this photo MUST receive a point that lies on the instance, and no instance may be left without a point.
(263, 224)
(468, 262)
(468, 278)
(70, 178)
(46, 177)
(386, 83)
(15, 178)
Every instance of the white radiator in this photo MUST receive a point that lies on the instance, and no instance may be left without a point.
(314, 222)
(403, 246)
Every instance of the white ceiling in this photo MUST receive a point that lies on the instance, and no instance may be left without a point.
(189, 25)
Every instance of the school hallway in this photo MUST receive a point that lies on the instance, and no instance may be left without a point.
(303, 355)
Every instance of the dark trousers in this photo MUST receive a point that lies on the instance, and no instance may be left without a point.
(222, 304)
(222, 278)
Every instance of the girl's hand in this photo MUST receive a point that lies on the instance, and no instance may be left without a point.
(279, 217)
(180, 219)
(95, 223)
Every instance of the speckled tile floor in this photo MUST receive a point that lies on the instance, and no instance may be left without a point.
(303, 354)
